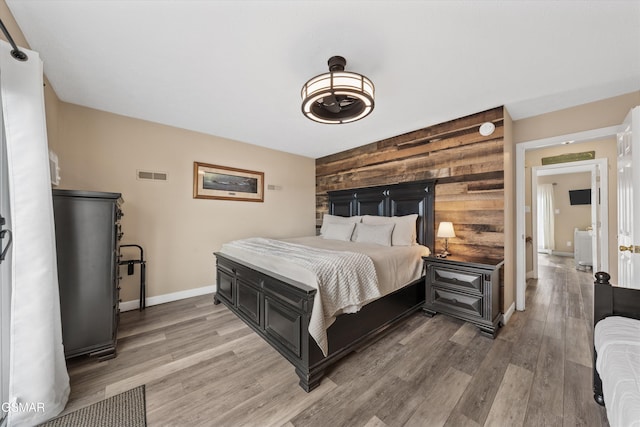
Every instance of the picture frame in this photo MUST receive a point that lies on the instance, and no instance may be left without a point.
(226, 183)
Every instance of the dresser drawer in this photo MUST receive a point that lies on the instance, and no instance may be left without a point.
(453, 302)
(471, 282)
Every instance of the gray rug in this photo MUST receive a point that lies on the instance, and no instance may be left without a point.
(126, 409)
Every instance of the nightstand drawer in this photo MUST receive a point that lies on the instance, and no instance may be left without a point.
(456, 302)
(458, 279)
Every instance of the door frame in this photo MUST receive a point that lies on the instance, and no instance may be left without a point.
(520, 149)
(599, 223)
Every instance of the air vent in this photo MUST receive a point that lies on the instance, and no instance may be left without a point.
(151, 176)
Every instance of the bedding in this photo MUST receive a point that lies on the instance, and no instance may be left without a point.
(404, 231)
(372, 271)
(335, 219)
(368, 233)
(617, 344)
(338, 231)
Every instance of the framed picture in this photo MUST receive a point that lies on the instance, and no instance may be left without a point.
(224, 183)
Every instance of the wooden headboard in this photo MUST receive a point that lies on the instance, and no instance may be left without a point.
(407, 198)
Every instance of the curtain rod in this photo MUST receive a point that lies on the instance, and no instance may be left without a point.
(16, 52)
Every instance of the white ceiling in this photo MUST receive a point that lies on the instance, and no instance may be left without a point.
(235, 68)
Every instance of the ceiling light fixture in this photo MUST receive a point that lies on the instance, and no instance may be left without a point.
(337, 96)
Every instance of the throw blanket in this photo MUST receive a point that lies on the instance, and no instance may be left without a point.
(346, 281)
(617, 342)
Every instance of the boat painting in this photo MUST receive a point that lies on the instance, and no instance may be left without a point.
(232, 183)
(226, 183)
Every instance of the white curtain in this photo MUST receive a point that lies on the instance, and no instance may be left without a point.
(38, 379)
(546, 212)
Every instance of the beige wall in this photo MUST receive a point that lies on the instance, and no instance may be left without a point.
(102, 151)
(568, 216)
(594, 115)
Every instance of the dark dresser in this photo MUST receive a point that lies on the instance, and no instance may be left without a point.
(466, 288)
(87, 225)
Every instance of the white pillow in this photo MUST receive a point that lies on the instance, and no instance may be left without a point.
(404, 232)
(333, 219)
(336, 231)
(368, 233)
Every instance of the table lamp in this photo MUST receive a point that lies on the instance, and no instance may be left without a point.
(445, 230)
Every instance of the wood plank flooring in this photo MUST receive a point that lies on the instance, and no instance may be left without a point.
(203, 367)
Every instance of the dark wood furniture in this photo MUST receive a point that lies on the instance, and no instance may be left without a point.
(466, 288)
(278, 309)
(611, 301)
(87, 238)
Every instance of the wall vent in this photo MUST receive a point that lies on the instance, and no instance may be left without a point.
(151, 176)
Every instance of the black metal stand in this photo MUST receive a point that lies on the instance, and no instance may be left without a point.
(130, 263)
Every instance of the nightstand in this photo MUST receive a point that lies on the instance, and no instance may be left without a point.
(467, 288)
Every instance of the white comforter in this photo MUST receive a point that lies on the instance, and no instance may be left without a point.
(617, 342)
(347, 275)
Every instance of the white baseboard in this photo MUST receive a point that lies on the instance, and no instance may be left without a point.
(161, 299)
(559, 253)
(530, 275)
(506, 316)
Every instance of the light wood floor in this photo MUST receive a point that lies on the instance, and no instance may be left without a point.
(202, 366)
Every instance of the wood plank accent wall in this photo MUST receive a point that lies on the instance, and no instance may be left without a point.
(469, 169)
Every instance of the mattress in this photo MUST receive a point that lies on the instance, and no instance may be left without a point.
(617, 343)
(395, 267)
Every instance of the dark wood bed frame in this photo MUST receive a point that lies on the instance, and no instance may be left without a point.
(279, 309)
(611, 301)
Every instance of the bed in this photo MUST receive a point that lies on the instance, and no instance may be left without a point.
(279, 307)
(616, 366)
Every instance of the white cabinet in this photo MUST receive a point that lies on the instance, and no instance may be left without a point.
(582, 254)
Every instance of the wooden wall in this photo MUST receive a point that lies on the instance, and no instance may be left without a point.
(469, 169)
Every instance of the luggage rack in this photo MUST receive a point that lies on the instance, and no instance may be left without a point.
(130, 263)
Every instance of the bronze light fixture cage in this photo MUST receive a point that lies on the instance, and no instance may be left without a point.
(337, 96)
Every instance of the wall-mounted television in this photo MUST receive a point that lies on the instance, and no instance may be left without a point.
(580, 197)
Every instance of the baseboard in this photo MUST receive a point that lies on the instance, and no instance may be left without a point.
(174, 296)
(559, 253)
(506, 316)
(530, 275)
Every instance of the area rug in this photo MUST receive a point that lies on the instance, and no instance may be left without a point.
(126, 409)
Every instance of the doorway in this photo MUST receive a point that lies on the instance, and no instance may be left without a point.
(599, 208)
(520, 149)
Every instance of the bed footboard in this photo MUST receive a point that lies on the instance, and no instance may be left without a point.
(610, 301)
(279, 309)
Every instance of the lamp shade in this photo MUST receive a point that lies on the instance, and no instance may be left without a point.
(445, 229)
